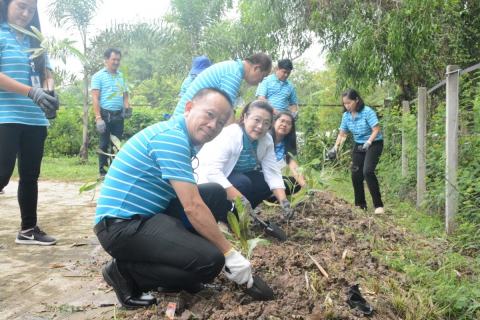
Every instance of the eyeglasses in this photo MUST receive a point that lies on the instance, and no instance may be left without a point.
(265, 123)
(285, 122)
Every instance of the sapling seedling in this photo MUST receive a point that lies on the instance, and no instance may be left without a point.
(240, 227)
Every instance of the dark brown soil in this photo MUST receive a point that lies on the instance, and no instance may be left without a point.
(339, 238)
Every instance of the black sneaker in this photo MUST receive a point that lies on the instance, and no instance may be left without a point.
(35, 236)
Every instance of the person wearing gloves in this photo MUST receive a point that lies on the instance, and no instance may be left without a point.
(285, 142)
(228, 75)
(199, 64)
(242, 160)
(159, 226)
(110, 104)
(362, 121)
(27, 101)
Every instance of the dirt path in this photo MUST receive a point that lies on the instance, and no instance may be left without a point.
(53, 281)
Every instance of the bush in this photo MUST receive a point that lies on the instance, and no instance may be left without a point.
(66, 131)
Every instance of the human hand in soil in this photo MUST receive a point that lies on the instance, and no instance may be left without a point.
(285, 204)
(42, 99)
(238, 269)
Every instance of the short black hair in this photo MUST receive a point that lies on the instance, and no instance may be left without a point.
(202, 93)
(109, 51)
(352, 94)
(285, 64)
(261, 59)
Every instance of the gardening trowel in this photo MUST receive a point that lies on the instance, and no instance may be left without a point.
(260, 290)
(271, 228)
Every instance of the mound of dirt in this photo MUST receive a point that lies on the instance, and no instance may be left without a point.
(65, 282)
(326, 233)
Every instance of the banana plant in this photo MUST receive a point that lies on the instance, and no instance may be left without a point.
(241, 229)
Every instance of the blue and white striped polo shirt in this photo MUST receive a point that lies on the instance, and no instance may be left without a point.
(225, 75)
(138, 180)
(361, 125)
(108, 84)
(280, 151)
(247, 160)
(17, 108)
(185, 84)
(279, 94)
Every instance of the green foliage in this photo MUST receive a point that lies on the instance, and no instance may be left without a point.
(65, 132)
(240, 227)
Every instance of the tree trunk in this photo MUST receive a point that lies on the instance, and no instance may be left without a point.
(84, 148)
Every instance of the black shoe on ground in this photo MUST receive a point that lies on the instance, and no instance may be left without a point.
(2, 191)
(35, 236)
(128, 292)
(195, 289)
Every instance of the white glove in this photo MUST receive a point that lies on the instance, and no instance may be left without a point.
(238, 269)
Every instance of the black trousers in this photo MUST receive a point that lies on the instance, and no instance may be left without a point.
(159, 251)
(252, 185)
(26, 143)
(364, 164)
(115, 125)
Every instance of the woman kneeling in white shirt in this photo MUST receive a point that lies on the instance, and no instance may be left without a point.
(242, 159)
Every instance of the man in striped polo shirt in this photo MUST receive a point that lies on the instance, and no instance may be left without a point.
(159, 226)
(228, 76)
(277, 90)
(199, 64)
(109, 98)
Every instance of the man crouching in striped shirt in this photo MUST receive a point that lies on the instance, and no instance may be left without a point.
(159, 226)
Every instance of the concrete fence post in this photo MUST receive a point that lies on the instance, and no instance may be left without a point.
(451, 146)
(406, 110)
(421, 145)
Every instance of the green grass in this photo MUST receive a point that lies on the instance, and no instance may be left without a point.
(442, 280)
(67, 169)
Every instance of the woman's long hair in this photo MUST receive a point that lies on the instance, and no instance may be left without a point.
(290, 139)
(39, 61)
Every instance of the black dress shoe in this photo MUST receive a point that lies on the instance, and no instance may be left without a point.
(127, 291)
(195, 289)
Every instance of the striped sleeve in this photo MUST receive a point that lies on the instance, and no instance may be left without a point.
(172, 153)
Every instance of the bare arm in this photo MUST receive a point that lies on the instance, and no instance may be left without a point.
(375, 132)
(96, 103)
(293, 107)
(280, 194)
(199, 214)
(48, 83)
(275, 111)
(340, 138)
(293, 169)
(11, 85)
(233, 193)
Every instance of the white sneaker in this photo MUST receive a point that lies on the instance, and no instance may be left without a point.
(379, 210)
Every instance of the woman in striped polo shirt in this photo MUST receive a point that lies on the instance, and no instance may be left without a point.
(26, 96)
(362, 121)
(242, 159)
